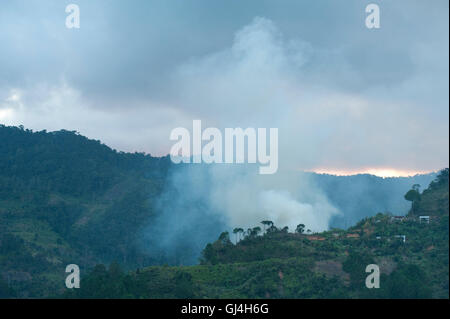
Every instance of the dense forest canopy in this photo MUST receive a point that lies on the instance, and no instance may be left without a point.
(272, 263)
(67, 198)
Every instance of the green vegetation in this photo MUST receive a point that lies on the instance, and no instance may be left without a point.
(280, 264)
(67, 199)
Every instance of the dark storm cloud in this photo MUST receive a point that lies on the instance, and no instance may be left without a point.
(136, 69)
(129, 47)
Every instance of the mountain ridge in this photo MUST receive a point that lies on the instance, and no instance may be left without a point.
(66, 198)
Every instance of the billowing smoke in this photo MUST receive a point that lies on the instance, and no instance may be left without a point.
(264, 80)
(184, 220)
(201, 201)
(285, 210)
(287, 199)
(247, 85)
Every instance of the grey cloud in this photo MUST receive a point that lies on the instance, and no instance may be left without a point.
(342, 95)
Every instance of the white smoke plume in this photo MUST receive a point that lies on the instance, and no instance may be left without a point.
(287, 199)
(255, 83)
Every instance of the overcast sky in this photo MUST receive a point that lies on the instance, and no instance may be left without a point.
(344, 97)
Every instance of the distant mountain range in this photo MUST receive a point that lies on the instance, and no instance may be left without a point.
(364, 195)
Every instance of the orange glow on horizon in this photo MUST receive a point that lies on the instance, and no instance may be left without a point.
(380, 172)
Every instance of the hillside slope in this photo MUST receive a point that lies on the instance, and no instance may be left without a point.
(412, 256)
(68, 199)
(65, 199)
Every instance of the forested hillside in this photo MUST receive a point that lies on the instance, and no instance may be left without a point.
(68, 199)
(65, 199)
(363, 195)
(412, 256)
